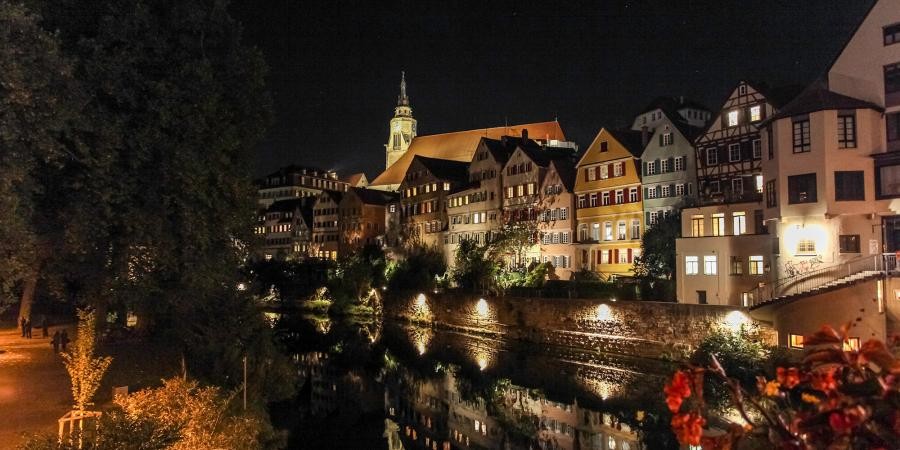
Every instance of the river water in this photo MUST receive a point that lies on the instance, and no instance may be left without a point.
(449, 390)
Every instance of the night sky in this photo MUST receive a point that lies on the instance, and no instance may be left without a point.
(335, 65)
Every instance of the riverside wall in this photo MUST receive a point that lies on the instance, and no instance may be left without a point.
(638, 328)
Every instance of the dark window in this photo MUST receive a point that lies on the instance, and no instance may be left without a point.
(892, 78)
(771, 195)
(701, 297)
(888, 183)
(893, 126)
(849, 243)
(801, 135)
(892, 34)
(849, 186)
(846, 129)
(604, 146)
(802, 188)
(770, 141)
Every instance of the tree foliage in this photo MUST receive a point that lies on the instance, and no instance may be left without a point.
(474, 269)
(657, 260)
(85, 369)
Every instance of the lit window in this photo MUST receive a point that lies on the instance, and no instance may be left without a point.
(740, 223)
(591, 173)
(663, 166)
(621, 230)
(709, 265)
(697, 226)
(618, 169)
(446, 186)
(635, 229)
(755, 113)
(679, 190)
(759, 184)
(604, 172)
(851, 344)
(732, 118)
(620, 196)
(651, 167)
(608, 231)
(756, 265)
(718, 224)
(796, 340)
(633, 194)
(806, 246)
(691, 265)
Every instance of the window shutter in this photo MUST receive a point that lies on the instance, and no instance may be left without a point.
(646, 172)
(629, 255)
(647, 217)
(623, 168)
(615, 257)
(639, 194)
(660, 139)
(585, 175)
(671, 190)
(671, 164)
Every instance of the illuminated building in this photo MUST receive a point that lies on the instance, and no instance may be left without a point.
(325, 225)
(361, 218)
(423, 192)
(668, 162)
(729, 151)
(460, 146)
(402, 127)
(527, 200)
(296, 182)
(285, 228)
(609, 211)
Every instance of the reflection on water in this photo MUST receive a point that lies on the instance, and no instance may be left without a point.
(449, 390)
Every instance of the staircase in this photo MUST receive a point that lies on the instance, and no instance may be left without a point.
(821, 280)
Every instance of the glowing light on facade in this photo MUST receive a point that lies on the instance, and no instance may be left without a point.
(735, 320)
(420, 301)
(604, 313)
(482, 308)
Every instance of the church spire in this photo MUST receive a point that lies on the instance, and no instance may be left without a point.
(402, 100)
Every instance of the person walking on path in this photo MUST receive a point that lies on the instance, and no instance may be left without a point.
(45, 327)
(28, 329)
(56, 341)
(22, 323)
(64, 340)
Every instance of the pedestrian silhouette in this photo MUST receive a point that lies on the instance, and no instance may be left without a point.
(22, 323)
(64, 340)
(56, 341)
(45, 327)
(28, 329)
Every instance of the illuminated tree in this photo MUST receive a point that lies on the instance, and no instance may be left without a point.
(85, 369)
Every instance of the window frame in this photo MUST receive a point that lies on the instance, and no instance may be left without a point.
(800, 134)
(731, 149)
(839, 183)
(793, 189)
(846, 136)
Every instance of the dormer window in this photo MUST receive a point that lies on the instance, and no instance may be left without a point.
(732, 118)
(742, 89)
(604, 146)
(755, 113)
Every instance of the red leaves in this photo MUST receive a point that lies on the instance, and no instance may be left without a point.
(875, 352)
(787, 377)
(688, 427)
(677, 390)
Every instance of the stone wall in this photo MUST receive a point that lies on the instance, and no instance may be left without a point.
(626, 327)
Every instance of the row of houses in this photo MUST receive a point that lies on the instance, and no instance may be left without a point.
(777, 182)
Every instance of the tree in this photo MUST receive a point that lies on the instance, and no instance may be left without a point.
(39, 101)
(182, 102)
(85, 369)
(655, 268)
(473, 268)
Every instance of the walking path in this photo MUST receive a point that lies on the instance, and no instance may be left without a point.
(34, 386)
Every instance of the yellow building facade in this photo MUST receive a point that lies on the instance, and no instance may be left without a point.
(609, 208)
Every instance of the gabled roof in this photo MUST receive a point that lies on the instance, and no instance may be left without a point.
(356, 180)
(445, 169)
(673, 104)
(543, 155)
(334, 195)
(778, 96)
(817, 98)
(565, 168)
(629, 139)
(374, 196)
(461, 146)
(501, 149)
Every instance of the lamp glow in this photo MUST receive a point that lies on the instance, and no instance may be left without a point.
(735, 320)
(420, 301)
(603, 312)
(482, 307)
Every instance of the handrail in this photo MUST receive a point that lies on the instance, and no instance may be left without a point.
(815, 279)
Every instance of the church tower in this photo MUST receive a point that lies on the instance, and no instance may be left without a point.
(403, 127)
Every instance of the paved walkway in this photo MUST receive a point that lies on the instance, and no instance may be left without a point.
(34, 386)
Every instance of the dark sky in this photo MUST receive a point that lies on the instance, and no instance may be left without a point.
(335, 65)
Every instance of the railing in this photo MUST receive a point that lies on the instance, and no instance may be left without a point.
(817, 278)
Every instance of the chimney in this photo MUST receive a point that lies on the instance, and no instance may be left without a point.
(524, 134)
(645, 136)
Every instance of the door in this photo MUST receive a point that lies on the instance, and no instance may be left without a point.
(701, 297)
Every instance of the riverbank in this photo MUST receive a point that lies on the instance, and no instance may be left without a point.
(636, 328)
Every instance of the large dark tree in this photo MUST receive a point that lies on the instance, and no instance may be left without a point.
(177, 102)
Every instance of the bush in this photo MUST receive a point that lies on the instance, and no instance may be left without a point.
(417, 270)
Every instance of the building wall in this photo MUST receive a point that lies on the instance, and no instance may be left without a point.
(858, 70)
(730, 248)
(590, 218)
(360, 224)
(556, 198)
(826, 219)
(522, 200)
(486, 173)
(656, 153)
(857, 306)
(419, 189)
(325, 232)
